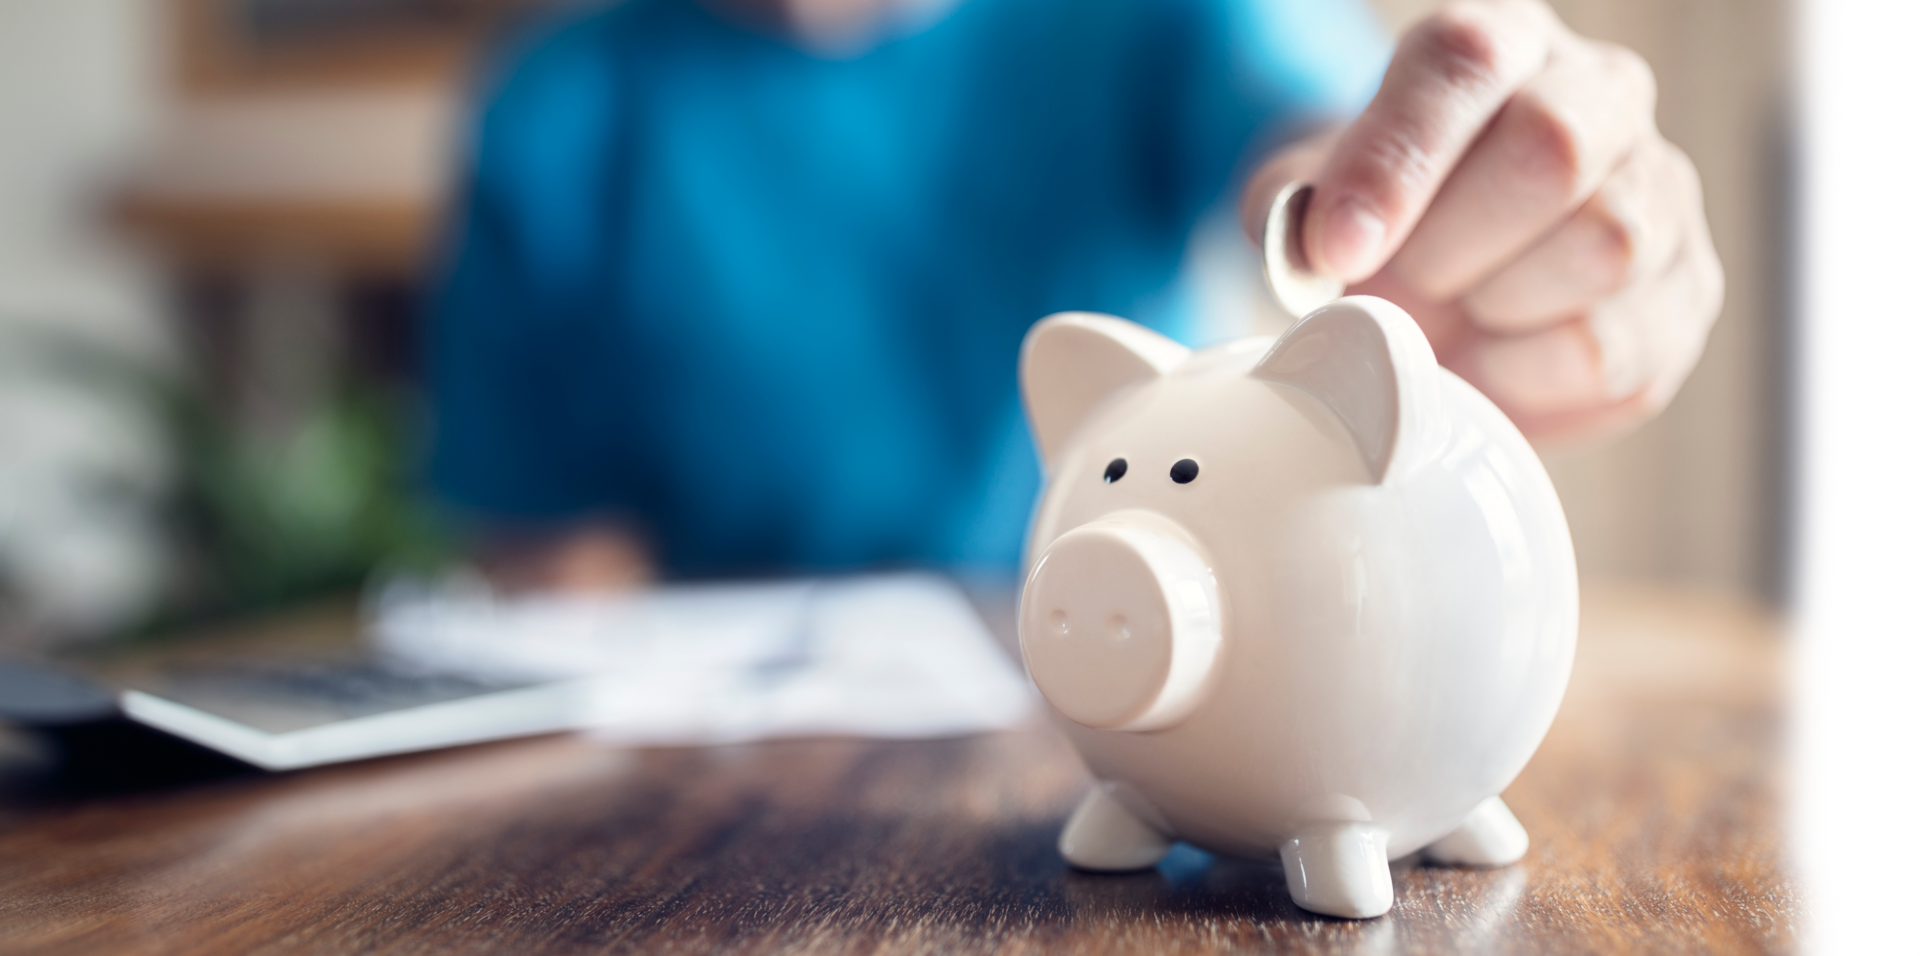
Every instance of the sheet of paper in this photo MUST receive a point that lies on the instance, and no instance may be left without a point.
(881, 656)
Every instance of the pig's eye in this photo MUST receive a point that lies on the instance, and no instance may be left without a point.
(1185, 470)
(1116, 470)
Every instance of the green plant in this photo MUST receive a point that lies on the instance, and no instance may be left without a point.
(312, 508)
(260, 517)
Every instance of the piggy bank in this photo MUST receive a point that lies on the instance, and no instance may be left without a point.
(1309, 599)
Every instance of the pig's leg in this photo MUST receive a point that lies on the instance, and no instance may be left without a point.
(1103, 835)
(1489, 836)
(1339, 869)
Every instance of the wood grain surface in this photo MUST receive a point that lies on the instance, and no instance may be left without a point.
(1653, 805)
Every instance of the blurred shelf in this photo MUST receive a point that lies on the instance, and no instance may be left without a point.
(224, 46)
(319, 134)
(358, 238)
(348, 180)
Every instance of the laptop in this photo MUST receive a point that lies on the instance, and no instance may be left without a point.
(425, 666)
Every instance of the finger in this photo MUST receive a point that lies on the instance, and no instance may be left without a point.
(1300, 161)
(1450, 75)
(1653, 339)
(1588, 424)
(1549, 148)
(1552, 370)
(1640, 343)
(1629, 230)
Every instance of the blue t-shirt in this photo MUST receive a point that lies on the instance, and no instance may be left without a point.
(768, 305)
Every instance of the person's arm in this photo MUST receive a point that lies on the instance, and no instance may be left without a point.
(1507, 186)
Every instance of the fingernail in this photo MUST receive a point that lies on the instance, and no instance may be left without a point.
(1351, 239)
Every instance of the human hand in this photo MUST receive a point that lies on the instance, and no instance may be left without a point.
(1507, 187)
(591, 557)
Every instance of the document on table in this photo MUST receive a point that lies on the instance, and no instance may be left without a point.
(903, 655)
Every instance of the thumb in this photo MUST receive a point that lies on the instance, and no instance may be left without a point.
(1450, 75)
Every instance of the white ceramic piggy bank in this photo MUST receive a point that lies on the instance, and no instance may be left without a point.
(1310, 599)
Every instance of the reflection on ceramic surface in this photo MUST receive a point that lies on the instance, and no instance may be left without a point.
(1309, 599)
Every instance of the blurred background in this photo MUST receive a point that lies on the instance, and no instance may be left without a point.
(215, 216)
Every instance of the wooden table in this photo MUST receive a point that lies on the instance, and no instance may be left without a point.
(1654, 807)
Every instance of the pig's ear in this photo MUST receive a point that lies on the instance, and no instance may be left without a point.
(1369, 363)
(1072, 361)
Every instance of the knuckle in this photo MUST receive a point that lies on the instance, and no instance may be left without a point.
(1615, 246)
(1637, 73)
(1536, 15)
(1459, 44)
(1630, 72)
(1546, 144)
(1684, 174)
(1713, 284)
(1679, 187)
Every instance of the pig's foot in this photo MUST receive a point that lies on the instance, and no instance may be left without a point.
(1489, 836)
(1103, 835)
(1339, 869)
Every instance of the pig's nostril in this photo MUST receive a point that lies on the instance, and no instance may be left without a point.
(1120, 622)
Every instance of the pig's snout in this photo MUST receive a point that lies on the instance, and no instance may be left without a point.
(1120, 622)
